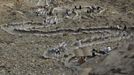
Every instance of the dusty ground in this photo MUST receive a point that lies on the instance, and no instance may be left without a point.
(21, 54)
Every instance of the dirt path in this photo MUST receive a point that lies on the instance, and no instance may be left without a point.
(26, 28)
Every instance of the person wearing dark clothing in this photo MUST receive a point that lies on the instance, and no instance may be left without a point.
(75, 7)
(80, 7)
(93, 52)
(49, 13)
(125, 27)
(87, 11)
(102, 52)
(98, 8)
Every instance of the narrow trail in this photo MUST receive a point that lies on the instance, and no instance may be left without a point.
(69, 30)
(26, 27)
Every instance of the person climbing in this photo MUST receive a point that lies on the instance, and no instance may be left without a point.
(80, 7)
(67, 13)
(87, 11)
(49, 13)
(93, 7)
(93, 52)
(75, 7)
(98, 8)
(124, 28)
